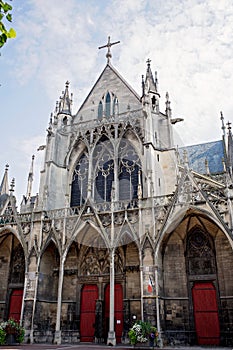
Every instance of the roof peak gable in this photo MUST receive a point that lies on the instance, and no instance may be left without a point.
(110, 67)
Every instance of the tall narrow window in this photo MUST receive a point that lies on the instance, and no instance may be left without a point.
(103, 167)
(100, 110)
(115, 106)
(129, 166)
(104, 179)
(79, 182)
(108, 105)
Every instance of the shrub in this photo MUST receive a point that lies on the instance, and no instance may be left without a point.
(11, 327)
(142, 331)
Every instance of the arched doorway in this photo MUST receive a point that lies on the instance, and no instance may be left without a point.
(205, 310)
(12, 273)
(195, 257)
(201, 269)
(87, 315)
(15, 304)
(93, 280)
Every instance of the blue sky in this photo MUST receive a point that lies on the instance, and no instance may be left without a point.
(189, 43)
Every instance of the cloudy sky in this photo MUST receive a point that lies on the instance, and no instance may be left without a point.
(189, 42)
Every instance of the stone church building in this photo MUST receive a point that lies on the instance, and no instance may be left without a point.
(125, 225)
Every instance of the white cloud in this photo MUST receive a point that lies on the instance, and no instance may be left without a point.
(188, 41)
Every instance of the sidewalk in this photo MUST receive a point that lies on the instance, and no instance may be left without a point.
(101, 347)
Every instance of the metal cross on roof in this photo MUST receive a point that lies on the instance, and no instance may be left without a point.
(108, 45)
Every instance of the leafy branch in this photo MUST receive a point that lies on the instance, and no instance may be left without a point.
(5, 14)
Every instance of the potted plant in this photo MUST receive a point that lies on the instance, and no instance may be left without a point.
(153, 335)
(138, 333)
(11, 332)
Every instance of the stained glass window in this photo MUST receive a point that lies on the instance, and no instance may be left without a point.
(108, 105)
(128, 171)
(104, 160)
(79, 182)
(103, 166)
(100, 110)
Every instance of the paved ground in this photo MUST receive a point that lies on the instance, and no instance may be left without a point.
(101, 347)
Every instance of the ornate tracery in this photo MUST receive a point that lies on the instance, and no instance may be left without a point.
(128, 170)
(79, 181)
(115, 171)
(200, 253)
(103, 170)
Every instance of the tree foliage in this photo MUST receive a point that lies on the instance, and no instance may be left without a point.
(5, 15)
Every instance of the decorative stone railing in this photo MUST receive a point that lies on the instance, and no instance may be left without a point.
(100, 208)
(131, 115)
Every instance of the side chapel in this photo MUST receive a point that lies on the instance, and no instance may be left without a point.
(125, 226)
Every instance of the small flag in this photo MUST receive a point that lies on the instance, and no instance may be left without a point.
(150, 285)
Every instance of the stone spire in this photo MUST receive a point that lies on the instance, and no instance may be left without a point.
(65, 101)
(168, 110)
(230, 148)
(4, 188)
(225, 158)
(143, 86)
(223, 126)
(150, 81)
(150, 94)
(12, 186)
(30, 179)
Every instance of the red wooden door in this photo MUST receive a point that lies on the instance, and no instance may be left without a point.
(16, 304)
(118, 313)
(206, 313)
(87, 315)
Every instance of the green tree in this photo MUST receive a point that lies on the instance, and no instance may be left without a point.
(5, 14)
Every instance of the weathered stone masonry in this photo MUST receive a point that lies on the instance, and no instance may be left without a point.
(124, 227)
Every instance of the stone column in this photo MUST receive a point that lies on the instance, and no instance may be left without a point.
(34, 303)
(90, 188)
(111, 334)
(141, 283)
(157, 306)
(29, 297)
(57, 337)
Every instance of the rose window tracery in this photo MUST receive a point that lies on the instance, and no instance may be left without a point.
(200, 253)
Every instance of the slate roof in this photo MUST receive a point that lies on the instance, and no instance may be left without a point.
(3, 199)
(197, 154)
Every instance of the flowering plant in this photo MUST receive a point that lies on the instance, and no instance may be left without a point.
(153, 334)
(140, 332)
(11, 327)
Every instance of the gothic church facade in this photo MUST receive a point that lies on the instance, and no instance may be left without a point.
(125, 226)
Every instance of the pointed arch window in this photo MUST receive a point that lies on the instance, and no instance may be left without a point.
(103, 166)
(108, 105)
(17, 272)
(79, 181)
(116, 171)
(115, 106)
(200, 253)
(128, 171)
(100, 110)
